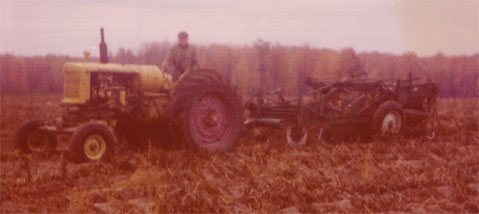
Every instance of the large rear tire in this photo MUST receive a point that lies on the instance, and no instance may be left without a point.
(92, 142)
(29, 138)
(207, 112)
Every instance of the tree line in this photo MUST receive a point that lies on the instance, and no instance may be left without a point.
(456, 76)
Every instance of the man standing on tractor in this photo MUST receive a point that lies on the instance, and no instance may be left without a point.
(181, 57)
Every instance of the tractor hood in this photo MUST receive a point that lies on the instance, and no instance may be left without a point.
(78, 78)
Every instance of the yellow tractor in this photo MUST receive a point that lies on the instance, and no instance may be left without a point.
(104, 102)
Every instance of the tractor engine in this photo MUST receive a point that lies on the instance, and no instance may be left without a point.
(106, 91)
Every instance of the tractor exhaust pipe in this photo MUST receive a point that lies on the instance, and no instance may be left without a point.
(103, 48)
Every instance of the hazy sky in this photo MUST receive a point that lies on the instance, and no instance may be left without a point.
(30, 27)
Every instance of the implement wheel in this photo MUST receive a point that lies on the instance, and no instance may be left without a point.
(29, 138)
(92, 142)
(387, 119)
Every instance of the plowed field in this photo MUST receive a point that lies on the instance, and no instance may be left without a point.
(262, 174)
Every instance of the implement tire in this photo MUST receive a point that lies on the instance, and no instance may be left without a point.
(387, 119)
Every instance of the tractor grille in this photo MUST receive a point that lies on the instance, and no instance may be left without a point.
(72, 84)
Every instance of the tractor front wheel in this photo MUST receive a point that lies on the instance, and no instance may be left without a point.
(29, 138)
(92, 142)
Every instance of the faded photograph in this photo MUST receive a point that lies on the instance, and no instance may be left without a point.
(240, 106)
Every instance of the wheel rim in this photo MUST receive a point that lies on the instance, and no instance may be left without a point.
(94, 147)
(37, 141)
(210, 118)
(391, 123)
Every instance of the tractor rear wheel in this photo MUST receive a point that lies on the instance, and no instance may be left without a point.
(29, 138)
(92, 142)
(207, 112)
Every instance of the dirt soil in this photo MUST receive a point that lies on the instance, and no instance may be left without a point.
(262, 174)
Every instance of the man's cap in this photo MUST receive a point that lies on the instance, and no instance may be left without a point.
(182, 34)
